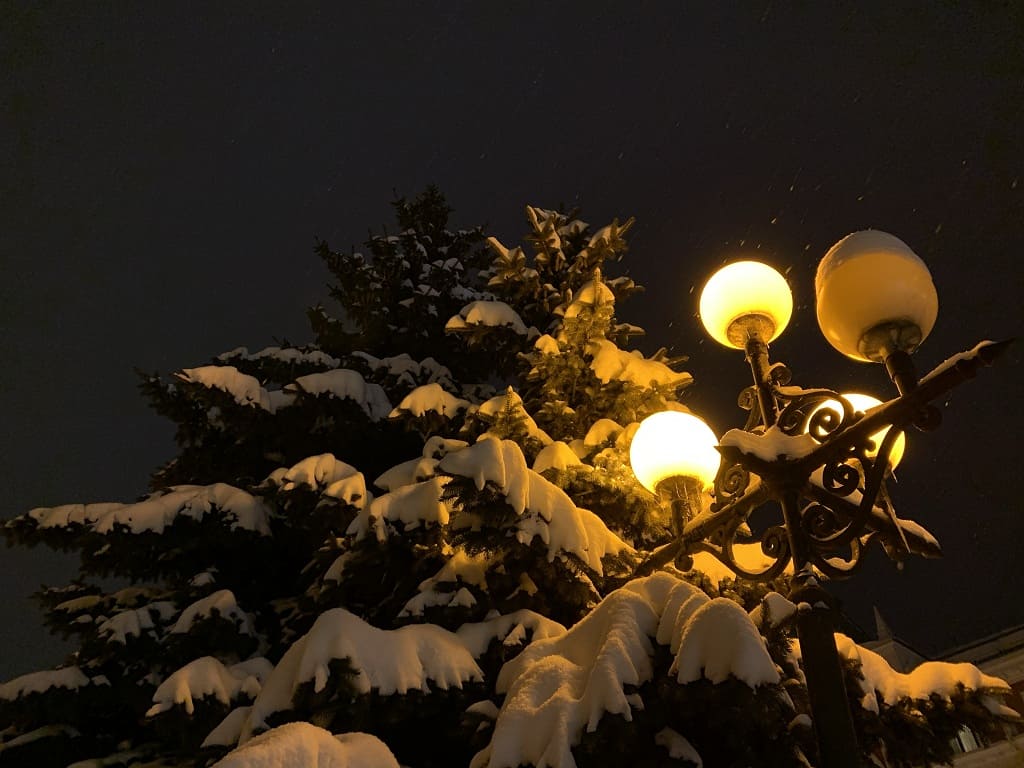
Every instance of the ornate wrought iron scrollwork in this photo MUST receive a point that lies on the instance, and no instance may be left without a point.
(747, 400)
(833, 497)
(832, 540)
(802, 411)
(840, 477)
(820, 522)
(731, 483)
(774, 544)
(825, 422)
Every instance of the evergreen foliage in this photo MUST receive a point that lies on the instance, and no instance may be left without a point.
(444, 471)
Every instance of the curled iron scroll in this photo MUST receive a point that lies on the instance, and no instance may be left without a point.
(799, 414)
(774, 544)
(731, 483)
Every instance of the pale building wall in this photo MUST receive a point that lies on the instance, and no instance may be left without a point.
(1000, 655)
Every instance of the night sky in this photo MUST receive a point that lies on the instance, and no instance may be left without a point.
(166, 167)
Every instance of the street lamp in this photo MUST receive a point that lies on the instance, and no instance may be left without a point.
(673, 454)
(815, 459)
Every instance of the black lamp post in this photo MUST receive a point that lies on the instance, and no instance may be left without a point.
(811, 457)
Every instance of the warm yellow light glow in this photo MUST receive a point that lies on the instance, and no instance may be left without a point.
(745, 291)
(863, 403)
(871, 280)
(670, 444)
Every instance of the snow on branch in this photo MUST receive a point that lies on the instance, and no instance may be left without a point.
(544, 509)
(461, 567)
(345, 384)
(411, 505)
(36, 734)
(601, 431)
(679, 748)
(387, 661)
(547, 345)
(221, 603)
(429, 398)
(477, 636)
(883, 684)
(557, 687)
(610, 363)
(407, 473)
(720, 641)
(161, 510)
(406, 370)
(304, 744)
(593, 293)
(324, 473)
(71, 678)
(340, 383)
(560, 686)
(245, 389)
(207, 676)
(312, 472)
(491, 460)
(133, 622)
(289, 355)
(491, 409)
(421, 468)
(492, 314)
(557, 456)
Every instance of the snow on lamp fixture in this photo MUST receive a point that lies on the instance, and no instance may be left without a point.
(673, 444)
(745, 300)
(863, 403)
(874, 296)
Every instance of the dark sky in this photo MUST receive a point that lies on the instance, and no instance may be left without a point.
(165, 168)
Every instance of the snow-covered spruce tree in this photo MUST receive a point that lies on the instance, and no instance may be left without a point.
(419, 533)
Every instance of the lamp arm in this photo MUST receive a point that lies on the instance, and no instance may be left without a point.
(725, 555)
(708, 523)
(722, 525)
(760, 369)
(682, 495)
(900, 367)
(703, 526)
(877, 520)
(904, 410)
(660, 557)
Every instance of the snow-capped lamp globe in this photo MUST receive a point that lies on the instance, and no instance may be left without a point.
(862, 403)
(745, 301)
(673, 455)
(876, 301)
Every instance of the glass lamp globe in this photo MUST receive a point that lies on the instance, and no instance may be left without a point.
(863, 403)
(874, 296)
(673, 444)
(745, 300)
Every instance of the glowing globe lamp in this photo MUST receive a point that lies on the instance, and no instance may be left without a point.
(874, 296)
(674, 444)
(862, 403)
(745, 300)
